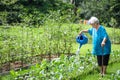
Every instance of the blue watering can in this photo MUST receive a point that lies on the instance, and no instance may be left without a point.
(81, 39)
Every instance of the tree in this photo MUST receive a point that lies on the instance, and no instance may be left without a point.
(115, 11)
(8, 2)
(76, 4)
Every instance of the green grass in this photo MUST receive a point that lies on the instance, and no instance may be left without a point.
(88, 47)
(112, 68)
(5, 77)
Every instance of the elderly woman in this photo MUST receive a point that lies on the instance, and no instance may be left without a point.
(101, 43)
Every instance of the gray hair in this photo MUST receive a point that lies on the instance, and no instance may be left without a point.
(93, 20)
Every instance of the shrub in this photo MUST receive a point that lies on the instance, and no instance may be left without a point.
(13, 17)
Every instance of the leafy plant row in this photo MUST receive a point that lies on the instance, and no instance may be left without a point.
(62, 68)
(116, 75)
(20, 43)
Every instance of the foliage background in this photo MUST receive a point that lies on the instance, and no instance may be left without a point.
(35, 12)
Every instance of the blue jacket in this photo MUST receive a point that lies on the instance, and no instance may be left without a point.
(97, 38)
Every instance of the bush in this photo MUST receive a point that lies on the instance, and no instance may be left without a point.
(0, 22)
(13, 18)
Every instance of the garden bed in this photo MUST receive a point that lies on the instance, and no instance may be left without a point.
(17, 65)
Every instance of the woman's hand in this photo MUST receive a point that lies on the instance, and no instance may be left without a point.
(83, 31)
(103, 44)
(80, 32)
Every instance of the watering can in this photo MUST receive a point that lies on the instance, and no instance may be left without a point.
(81, 39)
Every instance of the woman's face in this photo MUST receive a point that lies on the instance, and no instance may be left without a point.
(94, 25)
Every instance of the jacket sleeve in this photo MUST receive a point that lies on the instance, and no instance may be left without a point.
(104, 33)
(90, 31)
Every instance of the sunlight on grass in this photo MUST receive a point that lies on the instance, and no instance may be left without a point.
(96, 76)
(88, 47)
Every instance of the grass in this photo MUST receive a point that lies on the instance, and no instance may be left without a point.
(5, 77)
(112, 68)
(88, 47)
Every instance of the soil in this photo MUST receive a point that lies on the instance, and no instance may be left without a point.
(16, 65)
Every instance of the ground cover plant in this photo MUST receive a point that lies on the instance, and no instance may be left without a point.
(64, 67)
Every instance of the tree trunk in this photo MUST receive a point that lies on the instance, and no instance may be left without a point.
(75, 7)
